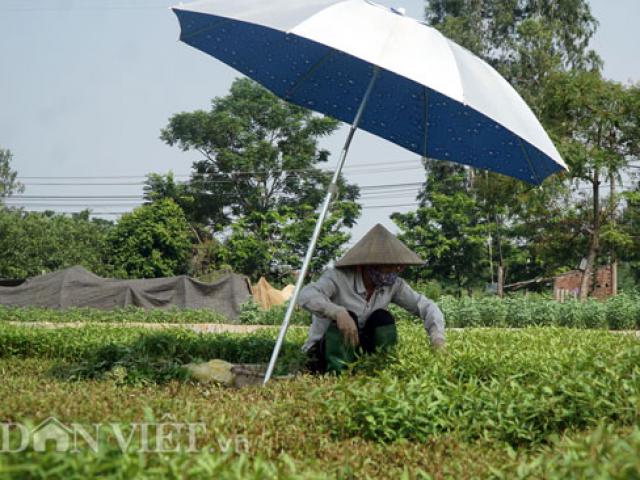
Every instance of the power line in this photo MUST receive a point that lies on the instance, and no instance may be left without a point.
(384, 166)
(66, 182)
(371, 191)
(87, 205)
(138, 202)
(123, 212)
(387, 165)
(221, 182)
(83, 184)
(400, 191)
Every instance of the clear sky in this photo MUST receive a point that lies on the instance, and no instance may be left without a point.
(86, 86)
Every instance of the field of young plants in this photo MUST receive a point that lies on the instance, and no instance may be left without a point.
(543, 401)
(618, 313)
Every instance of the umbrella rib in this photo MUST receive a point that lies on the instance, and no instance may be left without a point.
(526, 156)
(308, 73)
(205, 29)
(426, 120)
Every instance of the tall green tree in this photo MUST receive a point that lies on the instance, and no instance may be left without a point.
(630, 222)
(447, 230)
(526, 41)
(259, 153)
(259, 175)
(447, 236)
(8, 183)
(541, 232)
(595, 124)
(274, 243)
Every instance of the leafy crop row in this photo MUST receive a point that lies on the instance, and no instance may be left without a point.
(110, 462)
(503, 397)
(621, 312)
(618, 313)
(512, 386)
(600, 454)
(142, 354)
(122, 315)
(603, 453)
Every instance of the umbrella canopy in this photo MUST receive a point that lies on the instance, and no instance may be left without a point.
(431, 96)
(380, 71)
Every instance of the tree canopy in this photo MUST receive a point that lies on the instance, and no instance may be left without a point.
(258, 184)
(542, 48)
(259, 153)
(33, 243)
(152, 241)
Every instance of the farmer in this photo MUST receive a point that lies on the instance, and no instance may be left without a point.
(349, 303)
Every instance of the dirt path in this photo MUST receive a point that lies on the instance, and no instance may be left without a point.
(196, 327)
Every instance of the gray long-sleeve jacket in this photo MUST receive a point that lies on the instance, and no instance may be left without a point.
(341, 289)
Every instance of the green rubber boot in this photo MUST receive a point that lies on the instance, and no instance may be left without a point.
(385, 337)
(337, 353)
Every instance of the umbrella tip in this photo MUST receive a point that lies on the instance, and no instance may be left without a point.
(399, 10)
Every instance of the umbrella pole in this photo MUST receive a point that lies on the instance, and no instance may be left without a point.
(331, 193)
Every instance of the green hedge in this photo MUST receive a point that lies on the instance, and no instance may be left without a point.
(111, 463)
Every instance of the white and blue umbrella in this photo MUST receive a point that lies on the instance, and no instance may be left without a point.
(431, 97)
(383, 72)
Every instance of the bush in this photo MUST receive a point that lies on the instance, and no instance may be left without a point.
(603, 453)
(253, 314)
(623, 312)
(431, 290)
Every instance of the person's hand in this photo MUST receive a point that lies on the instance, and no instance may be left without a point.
(347, 327)
(438, 345)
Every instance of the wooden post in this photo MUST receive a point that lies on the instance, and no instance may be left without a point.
(614, 260)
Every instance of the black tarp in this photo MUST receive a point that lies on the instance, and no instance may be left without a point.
(77, 287)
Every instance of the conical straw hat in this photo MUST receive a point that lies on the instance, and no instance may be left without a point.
(379, 247)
